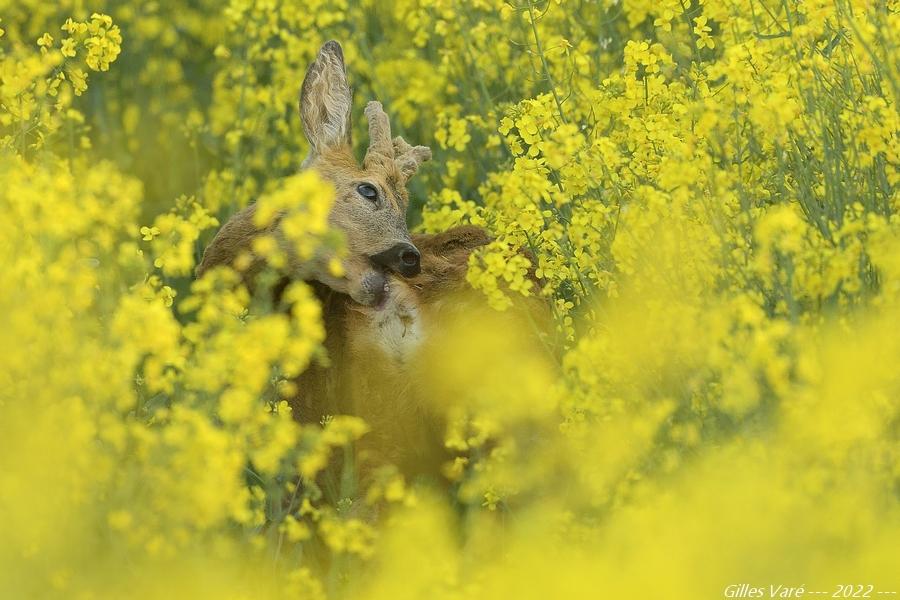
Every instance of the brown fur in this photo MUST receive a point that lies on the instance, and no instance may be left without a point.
(377, 371)
(367, 378)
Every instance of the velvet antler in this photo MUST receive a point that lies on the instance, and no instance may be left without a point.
(389, 154)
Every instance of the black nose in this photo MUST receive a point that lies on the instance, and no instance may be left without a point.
(401, 258)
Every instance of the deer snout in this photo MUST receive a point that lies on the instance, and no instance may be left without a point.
(402, 258)
(374, 288)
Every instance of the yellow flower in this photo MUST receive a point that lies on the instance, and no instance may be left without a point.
(693, 260)
(701, 29)
(149, 233)
(68, 48)
(44, 42)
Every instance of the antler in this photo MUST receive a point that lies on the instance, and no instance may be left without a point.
(386, 153)
(381, 150)
(408, 158)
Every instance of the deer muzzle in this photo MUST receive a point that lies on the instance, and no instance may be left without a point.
(402, 258)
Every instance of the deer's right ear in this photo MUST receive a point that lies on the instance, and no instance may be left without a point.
(325, 101)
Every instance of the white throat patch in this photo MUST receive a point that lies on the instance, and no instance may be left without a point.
(397, 329)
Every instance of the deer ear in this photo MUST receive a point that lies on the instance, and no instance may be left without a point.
(326, 100)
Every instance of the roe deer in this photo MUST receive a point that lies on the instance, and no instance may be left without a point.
(370, 202)
(397, 287)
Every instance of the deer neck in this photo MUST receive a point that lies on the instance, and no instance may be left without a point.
(394, 329)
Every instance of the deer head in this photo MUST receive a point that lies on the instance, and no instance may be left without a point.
(370, 200)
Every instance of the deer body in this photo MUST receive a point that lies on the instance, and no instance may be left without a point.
(397, 289)
(377, 368)
(379, 314)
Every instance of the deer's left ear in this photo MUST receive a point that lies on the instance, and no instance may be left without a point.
(326, 100)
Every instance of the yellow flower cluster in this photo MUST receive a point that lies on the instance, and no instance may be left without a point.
(99, 37)
(697, 204)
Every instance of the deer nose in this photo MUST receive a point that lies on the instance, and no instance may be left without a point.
(402, 258)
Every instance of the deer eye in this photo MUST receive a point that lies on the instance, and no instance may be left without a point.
(367, 191)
